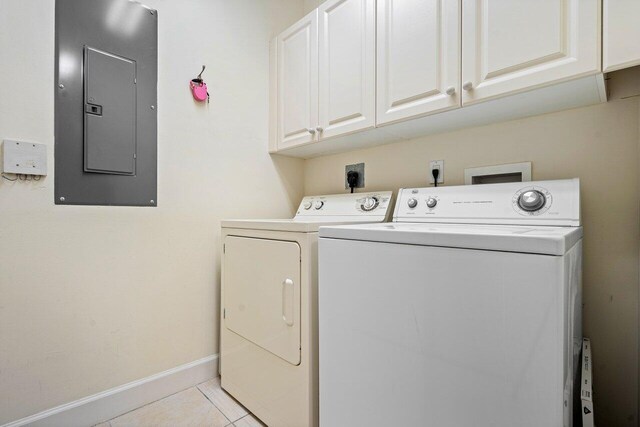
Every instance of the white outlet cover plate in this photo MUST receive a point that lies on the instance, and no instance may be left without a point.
(436, 164)
(21, 157)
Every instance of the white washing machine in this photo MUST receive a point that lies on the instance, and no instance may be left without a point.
(269, 330)
(465, 311)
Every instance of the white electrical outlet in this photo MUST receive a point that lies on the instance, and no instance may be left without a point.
(436, 164)
(25, 158)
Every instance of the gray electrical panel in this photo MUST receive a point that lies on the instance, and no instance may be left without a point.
(105, 108)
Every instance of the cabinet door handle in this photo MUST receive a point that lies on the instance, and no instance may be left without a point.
(319, 129)
(450, 90)
(311, 131)
(285, 283)
(467, 86)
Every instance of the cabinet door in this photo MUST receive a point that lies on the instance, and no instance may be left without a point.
(418, 58)
(511, 46)
(621, 30)
(347, 66)
(298, 83)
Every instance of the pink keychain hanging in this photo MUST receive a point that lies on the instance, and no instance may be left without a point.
(199, 88)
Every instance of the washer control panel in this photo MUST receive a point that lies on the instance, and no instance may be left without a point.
(534, 203)
(366, 205)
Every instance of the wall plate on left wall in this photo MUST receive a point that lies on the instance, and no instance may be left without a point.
(24, 158)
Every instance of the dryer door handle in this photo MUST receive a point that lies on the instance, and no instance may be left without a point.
(287, 283)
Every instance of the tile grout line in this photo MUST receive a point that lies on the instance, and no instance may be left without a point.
(243, 417)
(150, 403)
(215, 406)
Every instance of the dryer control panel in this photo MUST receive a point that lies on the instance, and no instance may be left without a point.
(518, 203)
(366, 205)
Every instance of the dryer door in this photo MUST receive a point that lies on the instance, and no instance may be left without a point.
(262, 293)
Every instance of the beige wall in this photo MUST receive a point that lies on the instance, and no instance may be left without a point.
(309, 5)
(597, 144)
(95, 297)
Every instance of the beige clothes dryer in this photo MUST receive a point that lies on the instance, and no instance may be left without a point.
(269, 328)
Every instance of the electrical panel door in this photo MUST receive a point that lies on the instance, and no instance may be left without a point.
(110, 113)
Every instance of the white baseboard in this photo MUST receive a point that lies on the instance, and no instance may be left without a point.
(108, 404)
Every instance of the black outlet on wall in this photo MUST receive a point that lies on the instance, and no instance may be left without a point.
(358, 167)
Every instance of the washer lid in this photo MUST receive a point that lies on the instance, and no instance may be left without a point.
(507, 238)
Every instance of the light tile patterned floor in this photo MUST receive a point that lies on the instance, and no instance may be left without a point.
(204, 405)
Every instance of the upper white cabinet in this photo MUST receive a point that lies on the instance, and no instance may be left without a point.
(418, 58)
(510, 46)
(357, 73)
(297, 83)
(621, 32)
(347, 66)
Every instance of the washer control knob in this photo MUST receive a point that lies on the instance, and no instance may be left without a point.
(431, 202)
(369, 204)
(319, 204)
(307, 205)
(412, 202)
(531, 200)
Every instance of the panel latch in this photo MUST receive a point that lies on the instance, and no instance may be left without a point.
(94, 109)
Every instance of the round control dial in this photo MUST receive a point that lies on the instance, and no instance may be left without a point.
(369, 204)
(412, 202)
(531, 201)
(432, 202)
(307, 205)
(318, 205)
